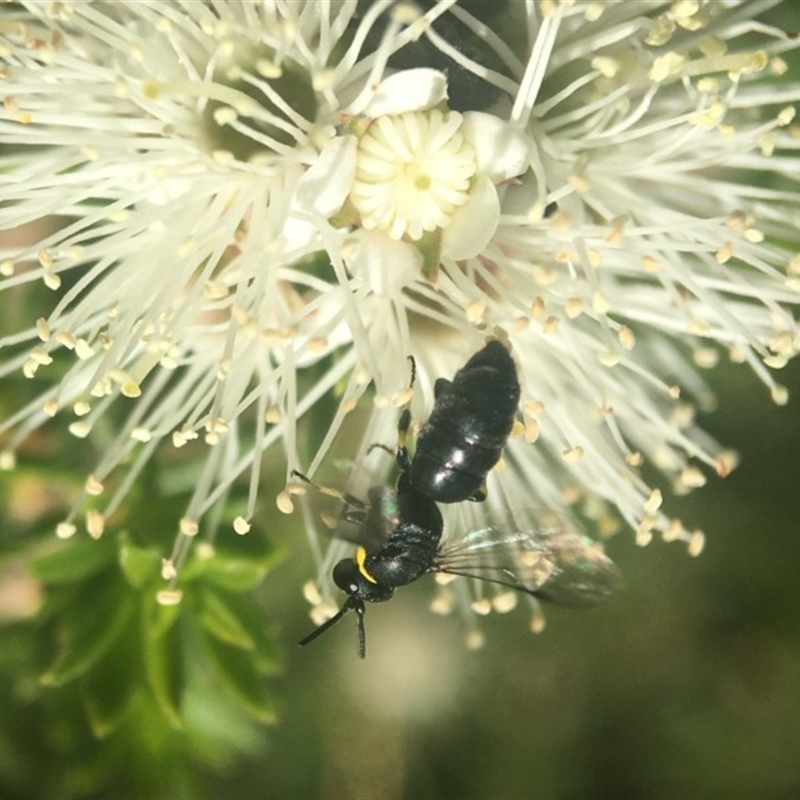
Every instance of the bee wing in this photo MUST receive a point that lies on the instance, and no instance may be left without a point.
(369, 524)
(542, 553)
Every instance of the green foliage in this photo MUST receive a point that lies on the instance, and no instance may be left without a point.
(106, 689)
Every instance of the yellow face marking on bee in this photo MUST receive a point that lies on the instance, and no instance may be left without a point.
(361, 555)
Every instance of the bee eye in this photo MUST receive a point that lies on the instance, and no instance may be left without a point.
(345, 575)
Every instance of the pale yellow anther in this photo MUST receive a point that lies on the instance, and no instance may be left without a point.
(709, 117)
(42, 329)
(505, 602)
(169, 597)
(593, 11)
(705, 357)
(45, 259)
(653, 503)
(643, 537)
(537, 307)
(626, 337)
(311, 593)
(41, 356)
(607, 67)
(93, 486)
(475, 312)
(284, 502)
(349, 405)
(141, 434)
(403, 397)
(573, 454)
(83, 349)
(482, 606)
(780, 395)
(600, 303)
(241, 526)
(538, 622)
(80, 429)
(724, 253)
(550, 325)
(754, 235)
(273, 415)
(573, 307)
(443, 603)
(673, 531)
(693, 477)
(95, 523)
(609, 358)
(697, 542)
(81, 408)
(65, 530)
(684, 8)
(666, 66)
(650, 264)
(215, 290)
(533, 408)
(727, 461)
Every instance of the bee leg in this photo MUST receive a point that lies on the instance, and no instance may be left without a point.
(348, 499)
(404, 423)
(401, 453)
(380, 446)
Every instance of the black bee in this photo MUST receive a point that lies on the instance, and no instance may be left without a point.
(398, 540)
(399, 531)
(540, 553)
(464, 436)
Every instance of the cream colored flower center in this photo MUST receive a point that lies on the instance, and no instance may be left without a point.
(412, 172)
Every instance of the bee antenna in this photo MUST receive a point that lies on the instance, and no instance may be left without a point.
(362, 636)
(350, 603)
(413, 363)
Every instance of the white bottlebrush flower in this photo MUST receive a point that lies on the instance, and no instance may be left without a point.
(246, 205)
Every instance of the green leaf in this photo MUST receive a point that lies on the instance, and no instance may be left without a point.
(93, 621)
(17, 646)
(237, 670)
(266, 652)
(108, 686)
(238, 565)
(164, 658)
(237, 620)
(141, 566)
(218, 616)
(75, 561)
(160, 618)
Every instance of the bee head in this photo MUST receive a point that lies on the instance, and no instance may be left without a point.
(351, 577)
